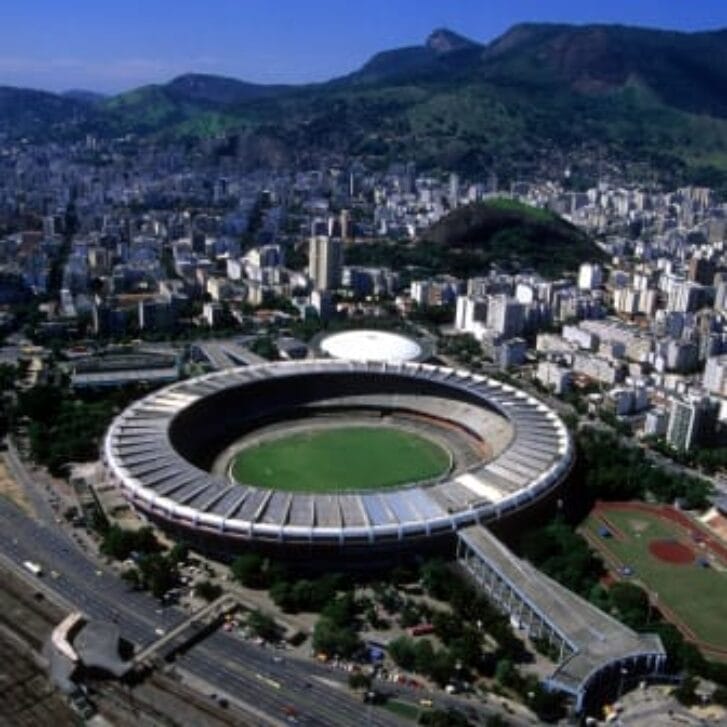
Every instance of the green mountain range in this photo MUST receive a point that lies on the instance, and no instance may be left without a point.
(538, 94)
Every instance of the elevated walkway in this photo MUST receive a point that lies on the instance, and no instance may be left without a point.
(594, 649)
(227, 354)
(187, 629)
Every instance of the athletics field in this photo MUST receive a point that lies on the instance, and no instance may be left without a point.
(680, 563)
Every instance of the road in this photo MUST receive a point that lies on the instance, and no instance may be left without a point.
(32, 488)
(238, 668)
(242, 670)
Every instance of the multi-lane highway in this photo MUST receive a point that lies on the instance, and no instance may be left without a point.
(265, 683)
(242, 670)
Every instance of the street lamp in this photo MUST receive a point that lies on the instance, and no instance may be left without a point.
(624, 671)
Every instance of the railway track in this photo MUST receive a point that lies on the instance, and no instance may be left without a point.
(24, 614)
(141, 706)
(159, 700)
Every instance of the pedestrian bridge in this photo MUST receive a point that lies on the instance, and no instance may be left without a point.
(186, 630)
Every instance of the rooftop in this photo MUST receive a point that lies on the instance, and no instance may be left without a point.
(371, 345)
(596, 638)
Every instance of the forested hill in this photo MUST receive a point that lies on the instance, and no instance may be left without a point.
(513, 236)
(630, 94)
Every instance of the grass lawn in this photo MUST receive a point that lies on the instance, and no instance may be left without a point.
(407, 710)
(348, 458)
(695, 595)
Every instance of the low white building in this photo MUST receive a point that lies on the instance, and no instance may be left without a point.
(655, 423)
(590, 276)
(554, 376)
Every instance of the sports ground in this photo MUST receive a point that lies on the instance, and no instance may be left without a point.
(340, 459)
(680, 564)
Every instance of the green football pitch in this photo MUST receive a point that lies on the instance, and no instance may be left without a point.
(334, 460)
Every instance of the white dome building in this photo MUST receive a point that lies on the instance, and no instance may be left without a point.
(372, 345)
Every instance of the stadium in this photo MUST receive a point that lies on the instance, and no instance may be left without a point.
(318, 456)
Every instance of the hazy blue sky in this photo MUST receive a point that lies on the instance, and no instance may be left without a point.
(112, 45)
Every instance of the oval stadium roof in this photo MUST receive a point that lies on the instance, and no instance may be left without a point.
(142, 460)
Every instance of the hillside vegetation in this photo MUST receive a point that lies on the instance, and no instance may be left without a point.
(466, 242)
(516, 236)
(631, 95)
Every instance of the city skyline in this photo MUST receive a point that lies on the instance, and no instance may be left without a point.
(118, 47)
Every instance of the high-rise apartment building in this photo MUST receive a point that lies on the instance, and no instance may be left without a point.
(325, 260)
(691, 422)
(590, 276)
(505, 316)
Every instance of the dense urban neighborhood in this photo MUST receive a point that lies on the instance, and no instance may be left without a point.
(345, 438)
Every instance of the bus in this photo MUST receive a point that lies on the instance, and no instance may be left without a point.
(34, 568)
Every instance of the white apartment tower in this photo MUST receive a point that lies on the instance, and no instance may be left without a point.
(325, 261)
(715, 375)
(590, 276)
(505, 316)
(470, 310)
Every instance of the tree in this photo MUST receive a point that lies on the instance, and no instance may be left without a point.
(423, 656)
(248, 570)
(132, 577)
(400, 576)
(313, 595)
(9, 374)
(359, 680)
(265, 347)
(686, 692)
(281, 594)
(403, 652)
(342, 611)
(117, 543)
(263, 625)
(563, 555)
(612, 470)
(466, 649)
(410, 615)
(179, 553)
(40, 403)
(442, 667)
(549, 706)
(207, 590)
(120, 543)
(390, 599)
(442, 718)
(436, 578)
(63, 429)
(631, 603)
(447, 626)
(504, 672)
(330, 638)
(305, 596)
(158, 573)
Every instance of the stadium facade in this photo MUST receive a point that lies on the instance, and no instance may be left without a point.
(512, 450)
